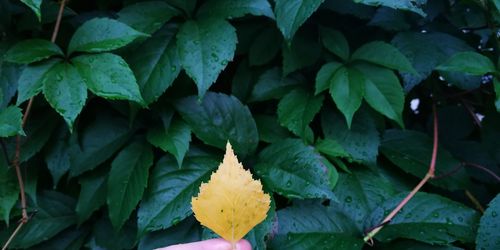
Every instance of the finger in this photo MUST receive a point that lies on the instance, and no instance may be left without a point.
(213, 244)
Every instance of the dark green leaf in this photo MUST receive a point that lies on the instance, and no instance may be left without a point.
(69, 239)
(291, 14)
(173, 139)
(270, 130)
(35, 6)
(65, 91)
(297, 109)
(488, 235)
(156, 63)
(9, 76)
(92, 195)
(383, 54)
(108, 75)
(168, 197)
(147, 17)
(335, 42)
(31, 79)
(410, 5)
(302, 51)
(127, 180)
(187, 6)
(347, 87)
(218, 119)
(102, 34)
(332, 148)
(9, 192)
(33, 50)
(235, 8)
(205, 48)
(265, 47)
(38, 132)
(468, 62)
(496, 85)
(272, 85)
(106, 237)
(58, 153)
(325, 75)
(427, 217)
(186, 231)
(11, 122)
(295, 170)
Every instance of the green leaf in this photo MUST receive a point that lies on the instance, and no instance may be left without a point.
(293, 169)
(412, 151)
(9, 192)
(297, 109)
(496, 85)
(127, 180)
(147, 17)
(9, 78)
(272, 85)
(65, 91)
(361, 140)
(102, 34)
(347, 90)
(31, 79)
(383, 91)
(383, 54)
(427, 217)
(35, 6)
(410, 5)
(291, 14)
(265, 47)
(32, 50)
(302, 51)
(187, 230)
(205, 48)
(488, 234)
(108, 238)
(11, 122)
(92, 195)
(269, 129)
(69, 239)
(168, 197)
(220, 118)
(234, 8)
(55, 213)
(335, 42)
(325, 75)
(108, 75)
(468, 62)
(187, 6)
(156, 63)
(57, 154)
(173, 139)
(98, 142)
(332, 148)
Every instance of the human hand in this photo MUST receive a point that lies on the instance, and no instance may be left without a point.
(213, 244)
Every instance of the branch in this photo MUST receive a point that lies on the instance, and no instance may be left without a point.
(430, 174)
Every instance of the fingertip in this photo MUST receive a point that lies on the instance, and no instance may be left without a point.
(243, 245)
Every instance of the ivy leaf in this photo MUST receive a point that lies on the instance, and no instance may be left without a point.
(31, 79)
(156, 63)
(325, 75)
(468, 62)
(383, 54)
(102, 34)
(35, 6)
(32, 50)
(147, 17)
(335, 42)
(488, 234)
(173, 139)
(291, 14)
(205, 48)
(219, 118)
(108, 75)
(11, 122)
(65, 91)
(167, 199)
(234, 9)
(411, 5)
(92, 195)
(429, 218)
(347, 87)
(227, 207)
(127, 180)
(297, 109)
(295, 170)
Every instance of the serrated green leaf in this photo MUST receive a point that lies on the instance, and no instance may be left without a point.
(173, 139)
(31, 79)
(9, 192)
(35, 6)
(383, 54)
(297, 109)
(302, 51)
(332, 148)
(488, 234)
(220, 118)
(205, 48)
(272, 85)
(427, 217)
(57, 155)
(269, 129)
(468, 62)
(92, 195)
(335, 42)
(127, 180)
(109, 76)
(167, 199)
(156, 63)
(347, 87)
(325, 75)
(32, 50)
(411, 5)
(147, 17)
(293, 169)
(291, 14)
(102, 34)
(234, 8)
(11, 122)
(383, 91)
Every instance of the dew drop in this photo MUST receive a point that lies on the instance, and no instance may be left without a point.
(348, 199)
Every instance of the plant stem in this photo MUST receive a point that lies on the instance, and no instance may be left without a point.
(474, 201)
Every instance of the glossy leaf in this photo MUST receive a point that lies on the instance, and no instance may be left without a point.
(410, 5)
(488, 234)
(468, 62)
(347, 87)
(325, 76)
(11, 122)
(35, 6)
(92, 195)
(335, 42)
(234, 8)
(271, 85)
(31, 79)
(205, 48)
(33, 50)
(147, 17)
(174, 139)
(383, 54)
(290, 15)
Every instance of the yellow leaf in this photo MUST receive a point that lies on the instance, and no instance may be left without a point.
(231, 203)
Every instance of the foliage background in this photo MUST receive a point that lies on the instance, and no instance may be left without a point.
(328, 102)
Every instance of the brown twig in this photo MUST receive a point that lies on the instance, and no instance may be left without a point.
(17, 156)
(474, 201)
(430, 174)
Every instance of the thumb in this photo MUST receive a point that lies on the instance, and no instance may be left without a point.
(213, 244)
